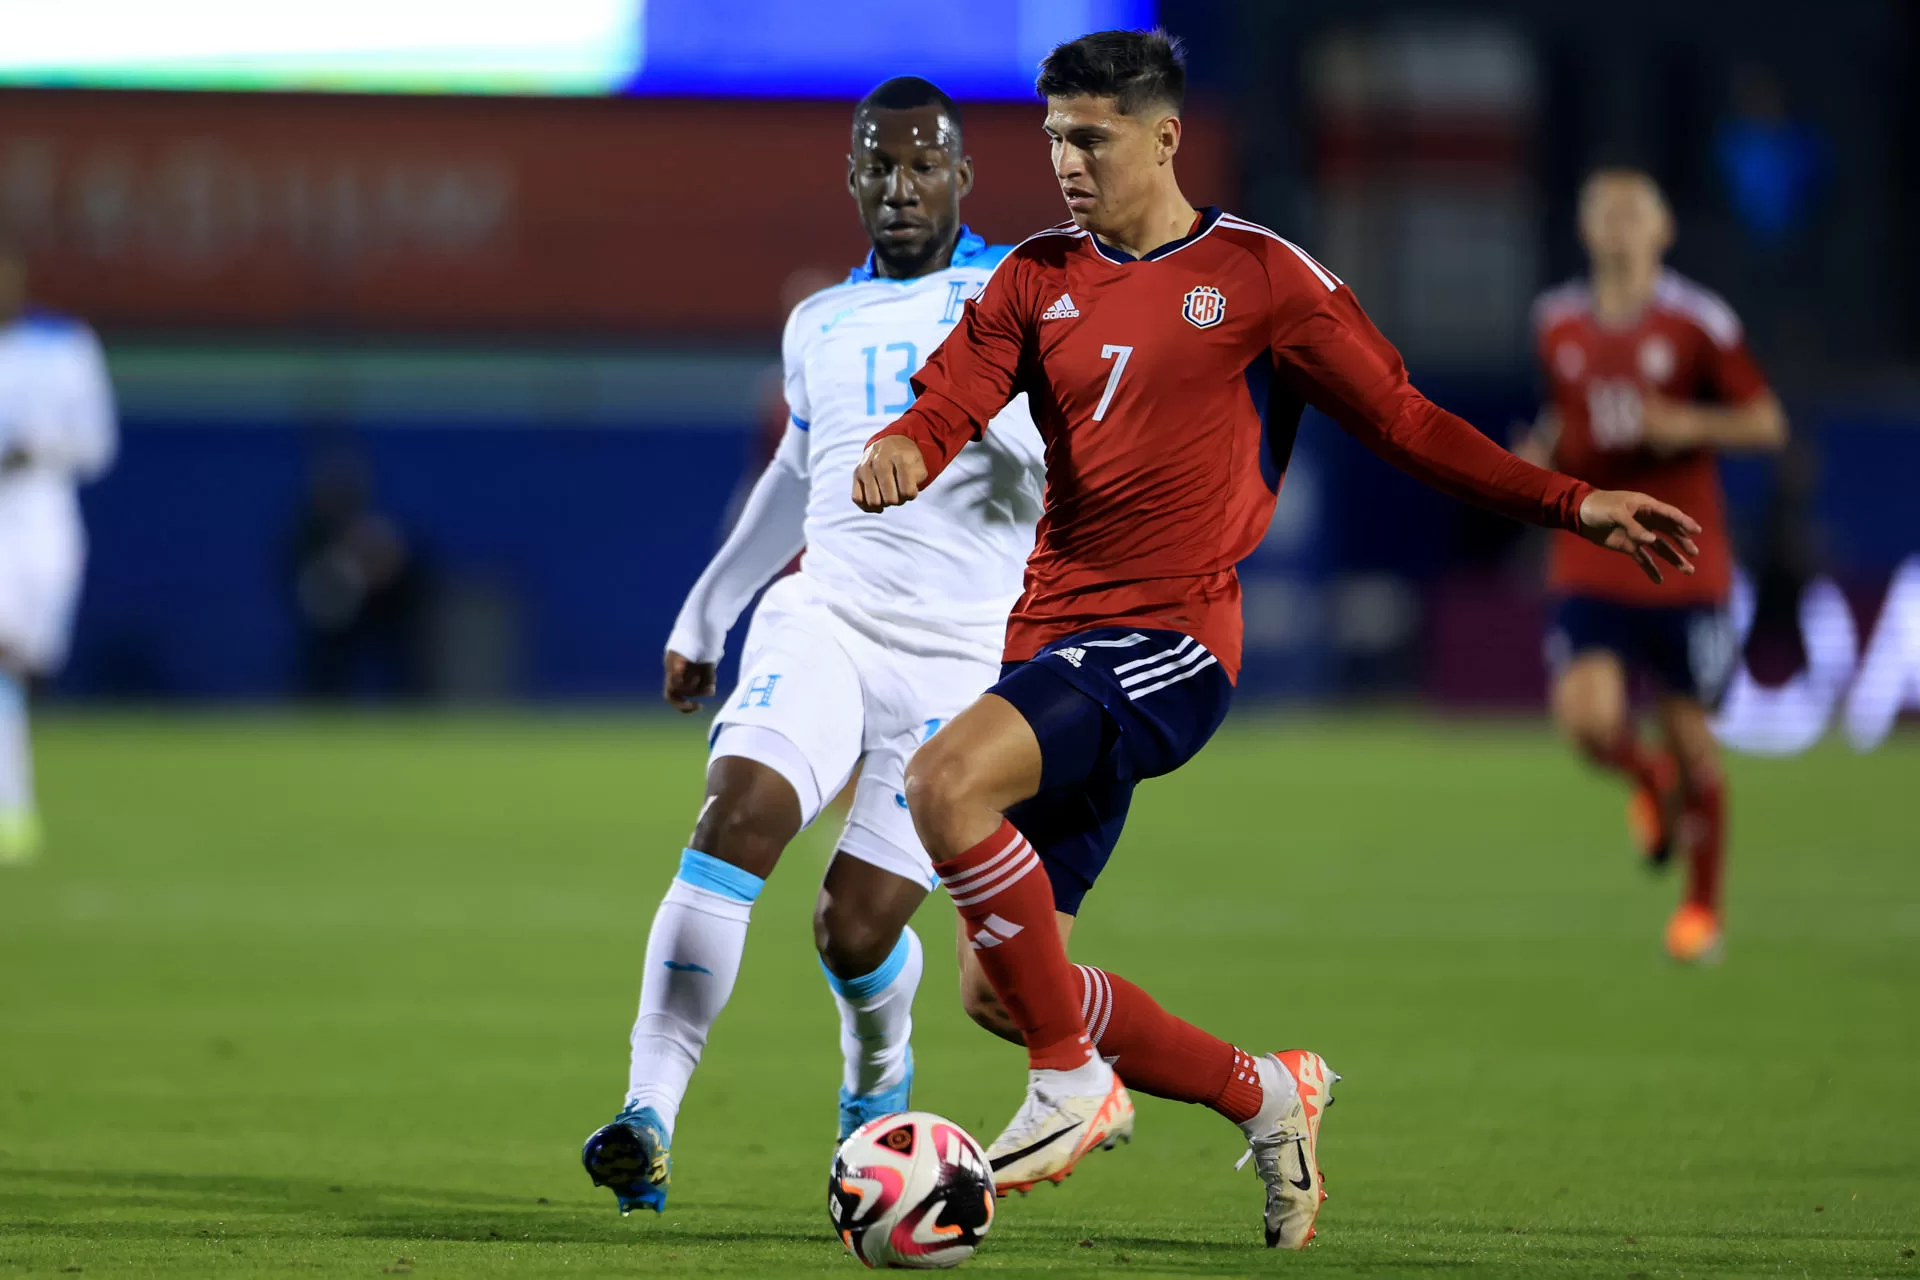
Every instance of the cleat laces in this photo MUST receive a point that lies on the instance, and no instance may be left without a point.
(1266, 1150)
(1027, 1122)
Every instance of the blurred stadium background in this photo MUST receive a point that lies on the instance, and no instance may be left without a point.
(445, 334)
(523, 310)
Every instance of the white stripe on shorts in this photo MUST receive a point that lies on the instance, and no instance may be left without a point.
(1198, 652)
(1137, 694)
(1154, 657)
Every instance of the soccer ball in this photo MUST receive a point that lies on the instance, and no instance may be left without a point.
(911, 1190)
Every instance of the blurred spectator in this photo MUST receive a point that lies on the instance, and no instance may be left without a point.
(1784, 559)
(1773, 165)
(357, 587)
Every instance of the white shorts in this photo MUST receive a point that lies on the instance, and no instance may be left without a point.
(818, 697)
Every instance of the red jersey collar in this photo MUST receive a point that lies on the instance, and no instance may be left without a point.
(1202, 224)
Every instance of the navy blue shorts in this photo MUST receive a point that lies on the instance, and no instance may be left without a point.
(1110, 707)
(1688, 650)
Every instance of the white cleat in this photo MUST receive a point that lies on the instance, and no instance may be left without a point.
(1054, 1128)
(1283, 1141)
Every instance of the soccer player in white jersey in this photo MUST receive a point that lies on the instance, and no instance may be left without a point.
(56, 430)
(889, 628)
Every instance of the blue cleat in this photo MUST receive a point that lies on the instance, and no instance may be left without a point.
(857, 1109)
(633, 1158)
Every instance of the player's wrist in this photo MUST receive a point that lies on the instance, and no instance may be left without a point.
(1579, 499)
(697, 648)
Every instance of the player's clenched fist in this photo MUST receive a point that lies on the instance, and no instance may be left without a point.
(1641, 527)
(686, 680)
(890, 473)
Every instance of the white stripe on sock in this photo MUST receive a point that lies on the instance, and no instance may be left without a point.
(1106, 1007)
(981, 892)
(960, 880)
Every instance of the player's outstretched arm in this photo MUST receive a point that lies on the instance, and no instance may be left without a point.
(891, 472)
(966, 381)
(770, 532)
(1636, 525)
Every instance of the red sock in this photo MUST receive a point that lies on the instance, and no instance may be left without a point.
(1004, 896)
(1629, 756)
(1707, 846)
(1159, 1054)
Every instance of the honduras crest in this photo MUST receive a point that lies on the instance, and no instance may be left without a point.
(1205, 306)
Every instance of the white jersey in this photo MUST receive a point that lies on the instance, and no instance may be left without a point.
(938, 574)
(953, 560)
(56, 430)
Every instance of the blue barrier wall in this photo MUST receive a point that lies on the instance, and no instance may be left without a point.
(592, 532)
(595, 533)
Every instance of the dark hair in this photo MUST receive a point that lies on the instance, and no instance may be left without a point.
(1135, 68)
(904, 93)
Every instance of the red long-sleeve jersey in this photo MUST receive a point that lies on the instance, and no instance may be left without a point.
(1168, 390)
(1687, 345)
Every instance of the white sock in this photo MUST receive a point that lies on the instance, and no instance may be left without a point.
(876, 1017)
(1091, 1077)
(16, 754)
(1278, 1094)
(693, 957)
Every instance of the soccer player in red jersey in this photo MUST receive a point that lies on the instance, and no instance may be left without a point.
(1649, 377)
(1167, 353)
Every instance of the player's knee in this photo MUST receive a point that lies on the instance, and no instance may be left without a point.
(940, 783)
(1589, 716)
(849, 939)
(746, 828)
(1699, 767)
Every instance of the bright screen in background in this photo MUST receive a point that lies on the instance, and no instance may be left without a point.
(698, 48)
(398, 46)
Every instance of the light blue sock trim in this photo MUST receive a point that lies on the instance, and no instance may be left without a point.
(715, 876)
(13, 694)
(871, 984)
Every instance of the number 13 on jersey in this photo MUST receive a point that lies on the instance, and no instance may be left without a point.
(1118, 355)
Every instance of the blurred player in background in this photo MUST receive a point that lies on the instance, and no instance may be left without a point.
(888, 629)
(56, 432)
(1649, 377)
(1167, 353)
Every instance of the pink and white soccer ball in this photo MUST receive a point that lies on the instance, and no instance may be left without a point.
(911, 1190)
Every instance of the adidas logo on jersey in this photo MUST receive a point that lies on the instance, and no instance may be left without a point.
(993, 931)
(1062, 309)
(1073, 656)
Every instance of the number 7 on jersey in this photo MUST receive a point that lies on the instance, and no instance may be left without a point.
(1108, 352)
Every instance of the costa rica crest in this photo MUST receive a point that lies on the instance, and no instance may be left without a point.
(1205, 306)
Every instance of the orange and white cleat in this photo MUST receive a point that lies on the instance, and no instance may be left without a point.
(1693, 935)
(1283, 1141)
(1653, 814)
(1054, 1129)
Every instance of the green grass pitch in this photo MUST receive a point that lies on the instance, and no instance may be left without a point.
(318, 997)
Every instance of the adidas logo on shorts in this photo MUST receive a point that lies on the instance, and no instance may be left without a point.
(1074, 656)
(1062, 309)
